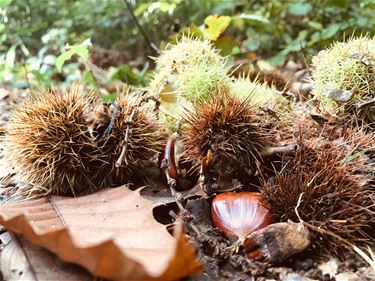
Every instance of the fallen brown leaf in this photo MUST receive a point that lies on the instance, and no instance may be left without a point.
(23, 261)
(111, 233)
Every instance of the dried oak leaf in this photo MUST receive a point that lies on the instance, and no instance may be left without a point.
(111, 233)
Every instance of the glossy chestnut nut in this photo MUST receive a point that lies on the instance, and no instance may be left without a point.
(239, 214)
(178, 174)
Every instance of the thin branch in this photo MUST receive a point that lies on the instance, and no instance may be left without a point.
(152, 45)
(116, 110)
(363, 104)
(126, 140)
(129, 123)
(296, 207)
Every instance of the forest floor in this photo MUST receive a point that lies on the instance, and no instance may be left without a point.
(21, 260)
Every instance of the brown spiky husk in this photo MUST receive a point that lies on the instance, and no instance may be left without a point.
(334, 198)
(229, 128)
(272, 79)
(55, 140)
(145, 140)
(48, 143)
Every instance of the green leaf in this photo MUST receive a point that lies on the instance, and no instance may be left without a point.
(192, 30)
(62, 59)
(252, 17)
(215, 26)
(355, 155)
(42, 79)
(330, 31)
(236, 50)
(300, 9)
(80, 50)
(315, 25)
(338, 3)
(88, 78)
(87, 42)
(108, 98)
(252, 45)
(315, 37)
(141, 8)
(125, 74)
(144, 70)
(11, 56)
(4, 4)
(225, 45)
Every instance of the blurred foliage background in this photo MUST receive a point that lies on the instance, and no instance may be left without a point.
(58, 41)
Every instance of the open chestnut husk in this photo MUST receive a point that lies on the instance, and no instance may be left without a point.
(277, 242)
(239, 214)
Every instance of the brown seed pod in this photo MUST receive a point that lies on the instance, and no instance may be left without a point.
(133, 140)
(68, 142)
(48, 142)
(321, 179)
(277, 242)
(228, 128)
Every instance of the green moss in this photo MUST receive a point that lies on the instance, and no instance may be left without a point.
(347, 66)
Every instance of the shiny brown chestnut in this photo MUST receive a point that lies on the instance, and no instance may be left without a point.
(239, 214)
(179, 175)
(169, 163)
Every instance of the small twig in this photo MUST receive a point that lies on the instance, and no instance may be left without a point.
(363, 104)
(318, 229)
(195, 229)
(171, 182)
(270, 151)
(172, 214)
(296, 207)
(148, 41)
(126, 140)
(116, 110)
(129, 122)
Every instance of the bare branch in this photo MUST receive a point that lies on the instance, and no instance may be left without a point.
(152, 45)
